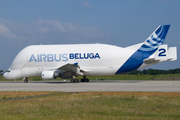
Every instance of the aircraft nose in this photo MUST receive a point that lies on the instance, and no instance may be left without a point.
(7, 75)
(4, 75)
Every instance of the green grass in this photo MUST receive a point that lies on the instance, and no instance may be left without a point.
(93, 106)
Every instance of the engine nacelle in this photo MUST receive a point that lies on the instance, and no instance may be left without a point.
(47, 75)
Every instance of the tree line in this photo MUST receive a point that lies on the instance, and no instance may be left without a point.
(154, 72)
(1, 72)
(144, 72)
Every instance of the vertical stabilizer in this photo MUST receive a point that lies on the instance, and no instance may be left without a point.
(147, 49)
(155, 39)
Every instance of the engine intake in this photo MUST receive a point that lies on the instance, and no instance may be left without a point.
(48, 75)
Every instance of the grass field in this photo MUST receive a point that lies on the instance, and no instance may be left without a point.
(91, 106)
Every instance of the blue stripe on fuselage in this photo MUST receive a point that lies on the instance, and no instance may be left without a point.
(135, 61)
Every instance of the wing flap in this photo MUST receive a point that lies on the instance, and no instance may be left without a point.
(73, 68)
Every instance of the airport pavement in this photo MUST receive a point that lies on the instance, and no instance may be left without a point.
(161, 86)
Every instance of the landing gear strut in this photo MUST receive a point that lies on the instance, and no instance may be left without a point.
(84, 79)
(25, 80)
(74, 80)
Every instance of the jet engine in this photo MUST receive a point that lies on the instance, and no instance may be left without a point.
(47, 75)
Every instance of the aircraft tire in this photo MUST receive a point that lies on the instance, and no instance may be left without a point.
(86, 80)
(25, 81)
(72, 81)
(76, 80)
(82, 80)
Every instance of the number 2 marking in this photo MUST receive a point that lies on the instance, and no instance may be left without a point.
(162, 53)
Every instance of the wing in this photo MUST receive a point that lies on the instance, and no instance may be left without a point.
(69, 70)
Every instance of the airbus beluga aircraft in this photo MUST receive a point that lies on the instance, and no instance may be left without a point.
(70, 61)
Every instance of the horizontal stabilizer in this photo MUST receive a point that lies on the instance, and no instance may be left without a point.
(151, 61)
(162, 54)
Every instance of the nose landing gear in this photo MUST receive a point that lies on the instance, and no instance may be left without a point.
(25, 80)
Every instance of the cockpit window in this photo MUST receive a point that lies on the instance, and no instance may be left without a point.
(8, 71)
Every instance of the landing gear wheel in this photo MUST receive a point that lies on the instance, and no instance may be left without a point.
(76, 80)
(86, 80)
(25, 80)
(72, 81)
(82, 80)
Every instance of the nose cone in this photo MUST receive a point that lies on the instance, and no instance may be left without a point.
(7, 75)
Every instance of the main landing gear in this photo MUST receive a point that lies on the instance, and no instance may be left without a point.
(84, 79)
(25, 80)
(74, 80)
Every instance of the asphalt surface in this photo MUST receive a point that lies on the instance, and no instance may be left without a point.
(160, 86)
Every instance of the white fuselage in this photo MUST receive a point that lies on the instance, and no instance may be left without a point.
(96, 59)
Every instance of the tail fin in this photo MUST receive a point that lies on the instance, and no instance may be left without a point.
(155, 39)
(147, 49)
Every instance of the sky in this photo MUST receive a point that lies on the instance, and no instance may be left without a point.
(117, 22)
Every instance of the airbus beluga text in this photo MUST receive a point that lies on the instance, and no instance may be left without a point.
(70, 61)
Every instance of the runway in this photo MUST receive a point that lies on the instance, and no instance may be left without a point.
(65, 86)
